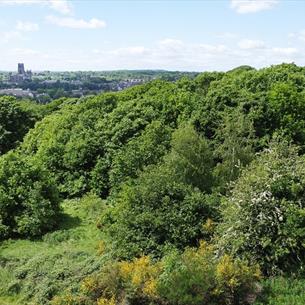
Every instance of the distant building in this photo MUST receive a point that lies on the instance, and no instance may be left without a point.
(17, 92)
(21, 75)
(21, 69)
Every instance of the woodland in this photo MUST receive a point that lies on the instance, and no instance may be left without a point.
(189, 192)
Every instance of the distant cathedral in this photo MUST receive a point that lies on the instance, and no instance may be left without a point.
(21, 68)
(21, 75)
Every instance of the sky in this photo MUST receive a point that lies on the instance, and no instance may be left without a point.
(186, 35)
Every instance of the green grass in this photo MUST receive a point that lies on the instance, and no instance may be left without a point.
(282, 291)
(31, 272)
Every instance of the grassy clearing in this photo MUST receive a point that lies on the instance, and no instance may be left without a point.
(31, 272)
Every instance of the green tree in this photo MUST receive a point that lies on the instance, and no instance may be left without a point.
(190, 160)
(234, 148)
(147, 148)
(29, 201)
(288, 110)
(15, 121)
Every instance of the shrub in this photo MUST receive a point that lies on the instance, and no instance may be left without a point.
(167, 205)
(195, 277)
(29, 202)
(264, 218)
(147, 148)
(155, 213)
(190, 160)
(198, 277)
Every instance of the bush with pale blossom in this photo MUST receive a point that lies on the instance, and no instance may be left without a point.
(264, 218)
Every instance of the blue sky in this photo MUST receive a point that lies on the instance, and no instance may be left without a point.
(175, 34)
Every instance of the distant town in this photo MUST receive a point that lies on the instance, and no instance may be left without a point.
(45, 86)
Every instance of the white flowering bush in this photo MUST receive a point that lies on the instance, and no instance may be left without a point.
(264, 218)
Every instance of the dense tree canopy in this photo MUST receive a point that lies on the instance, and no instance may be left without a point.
(81, 143)
(90, 143)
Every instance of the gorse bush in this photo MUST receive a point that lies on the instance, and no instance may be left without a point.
(264, 218)
(29, 200)
(194, 277)
(198, 277)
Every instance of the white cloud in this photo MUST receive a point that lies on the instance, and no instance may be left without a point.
(301, 35)
(10, 35)
(298, 35)
(61, 6)
(285, 51)
(74, 23)
(212, 48)
(171, 43)
(18, 33)
(171, 54)
(252, 6)
(23, 51)
(25, 26)
(174, 54)
(136, 50)
(227, 35)
(19, 2)
(248, 44)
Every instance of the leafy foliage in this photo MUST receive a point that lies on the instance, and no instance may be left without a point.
(29, 201)
(15, 122)
(282, 291)
(264, 217)
(198, 277)
(81, 143)
(169, 202)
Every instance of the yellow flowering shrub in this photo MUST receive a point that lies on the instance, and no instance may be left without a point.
(89, 284)
(105, 301)
(141, 275)
(195, 277)
(104, 285)
(71, 299)
(199, 277)
(227, 271)
(209, 226)
(101, 247)
(150, 288)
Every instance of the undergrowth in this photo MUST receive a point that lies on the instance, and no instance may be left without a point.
(33, 271)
